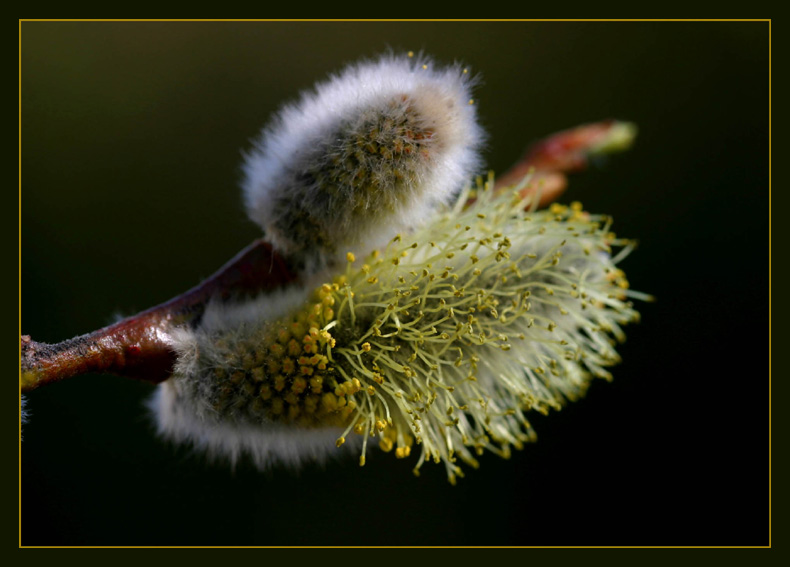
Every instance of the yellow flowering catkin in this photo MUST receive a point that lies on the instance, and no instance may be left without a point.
(440, 343)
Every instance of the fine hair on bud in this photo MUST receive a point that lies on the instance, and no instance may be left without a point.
(440, 343)
(369, 153)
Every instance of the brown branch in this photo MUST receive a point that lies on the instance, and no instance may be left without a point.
(139, 346)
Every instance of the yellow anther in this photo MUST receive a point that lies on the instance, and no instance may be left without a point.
(402, 452)
(279, 382)
(386, 444)
(276, 350)
(299, 385)
(283, 335)
(294, 348)
(329, 402)
(310, 348)
(317, 359)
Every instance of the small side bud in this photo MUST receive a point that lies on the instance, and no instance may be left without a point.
(618, 138)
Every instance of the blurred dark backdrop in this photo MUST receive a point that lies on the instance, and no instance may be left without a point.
(131, 141)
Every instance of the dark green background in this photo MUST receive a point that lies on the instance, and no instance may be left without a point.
(131, 141)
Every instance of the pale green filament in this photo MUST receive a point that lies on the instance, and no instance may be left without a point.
(454, 332)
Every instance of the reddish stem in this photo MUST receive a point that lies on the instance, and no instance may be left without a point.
(564, 152)
(139, 346)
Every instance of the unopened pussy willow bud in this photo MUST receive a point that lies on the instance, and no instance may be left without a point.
(367, 154)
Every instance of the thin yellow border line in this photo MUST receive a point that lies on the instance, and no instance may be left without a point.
(770, 417)
(414, 20)
(20, 280)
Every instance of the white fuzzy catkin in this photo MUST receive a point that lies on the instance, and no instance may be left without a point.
(367, 154)
(177, 419)
(185, 407)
